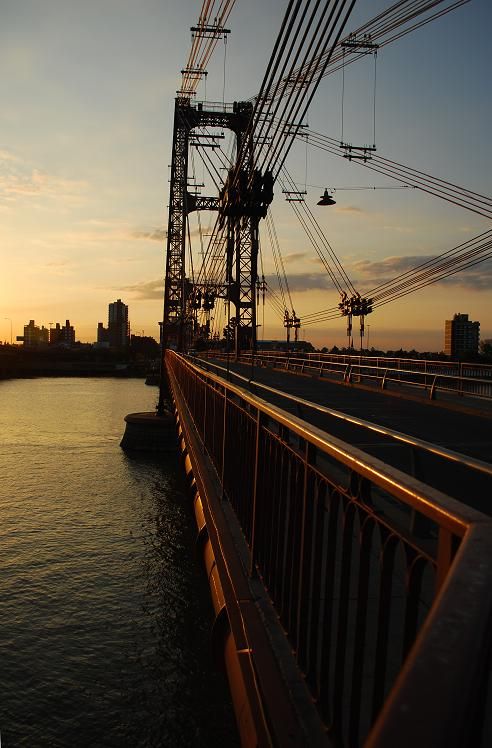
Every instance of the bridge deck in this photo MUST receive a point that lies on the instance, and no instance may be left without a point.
(469, 433)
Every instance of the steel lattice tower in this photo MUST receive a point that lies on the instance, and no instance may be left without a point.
(242, 229)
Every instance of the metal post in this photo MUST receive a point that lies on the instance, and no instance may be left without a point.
(254, 518)
(224, 426)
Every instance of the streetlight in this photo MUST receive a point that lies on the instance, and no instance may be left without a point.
(8, 318)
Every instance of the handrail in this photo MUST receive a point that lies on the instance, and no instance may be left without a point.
(441, 508)
(423, 363)
(338, 572)
(365, 368)
(449, 454)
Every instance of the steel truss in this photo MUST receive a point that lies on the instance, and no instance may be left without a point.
(178, 318)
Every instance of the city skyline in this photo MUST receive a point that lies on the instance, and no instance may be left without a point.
(86, 142)
(55, 333)
(116, 334)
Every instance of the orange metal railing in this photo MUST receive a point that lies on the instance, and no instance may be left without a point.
(386, 625)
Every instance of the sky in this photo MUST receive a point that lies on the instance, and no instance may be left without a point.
(87, 92)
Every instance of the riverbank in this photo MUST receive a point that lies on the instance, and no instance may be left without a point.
(25, 364)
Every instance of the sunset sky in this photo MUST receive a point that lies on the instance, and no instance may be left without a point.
(87, 94)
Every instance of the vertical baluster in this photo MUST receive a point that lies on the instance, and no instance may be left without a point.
(305, 556)
(343, 615)
(327, 624)
(281, 494)
(383, 622)
(255, 514)
(315, 633)
(360, 653)
(224, 441)
(296, 526)
(416, 568)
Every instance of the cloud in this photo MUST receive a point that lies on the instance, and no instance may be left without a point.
(368, 274)
(6, 155)
(349, 209)
(94, 233)
(58, 267)
(146, 290)
(476, 278)
(154, 235)
(300, 282)
(388, 267)
(18, 180)
(294, 257)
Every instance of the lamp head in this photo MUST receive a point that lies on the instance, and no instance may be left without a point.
(326, 199)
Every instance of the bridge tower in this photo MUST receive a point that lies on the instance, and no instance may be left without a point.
(235, 206)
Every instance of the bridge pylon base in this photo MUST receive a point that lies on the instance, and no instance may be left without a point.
(149, 432)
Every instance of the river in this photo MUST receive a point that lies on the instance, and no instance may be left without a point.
(105, 614)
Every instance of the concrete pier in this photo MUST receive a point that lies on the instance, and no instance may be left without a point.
(149, 432)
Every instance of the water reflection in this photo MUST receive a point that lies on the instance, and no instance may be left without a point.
(104, 612)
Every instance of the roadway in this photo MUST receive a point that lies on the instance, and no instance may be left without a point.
(467, 433)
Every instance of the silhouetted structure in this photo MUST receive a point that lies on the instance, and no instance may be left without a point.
(145, 346)
(62, 335)
(118, 325)
(34, 335)
(102, 336)
(461, 336)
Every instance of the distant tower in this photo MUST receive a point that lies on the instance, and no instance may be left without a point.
(461, 336)
(102, 335)
(68, 333)
(118, 325)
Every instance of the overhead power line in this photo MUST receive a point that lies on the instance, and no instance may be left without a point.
(205, 35)
(462, 257)
(448, 191)
(390, 25)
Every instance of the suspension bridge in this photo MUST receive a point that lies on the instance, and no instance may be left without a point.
(349, 557)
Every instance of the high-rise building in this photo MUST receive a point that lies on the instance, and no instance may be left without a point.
(34, 335)
(102, 335)
(62, 335)
(118, 325)
(461, 336)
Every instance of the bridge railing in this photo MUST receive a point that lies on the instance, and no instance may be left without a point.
(381, 622)
(433, 377)
(458, 475)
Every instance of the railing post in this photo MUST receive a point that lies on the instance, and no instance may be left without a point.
(224, 425)
(254, 517)
(305, 551)
(204, 434)
(432, 393)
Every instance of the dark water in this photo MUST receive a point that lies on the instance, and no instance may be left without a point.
(104, 610)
